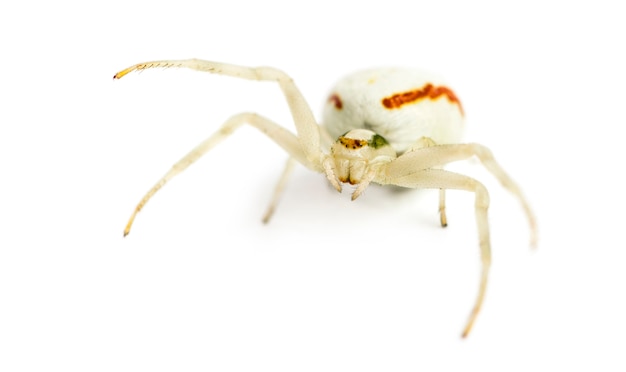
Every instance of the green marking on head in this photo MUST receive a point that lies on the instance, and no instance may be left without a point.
(377, 141)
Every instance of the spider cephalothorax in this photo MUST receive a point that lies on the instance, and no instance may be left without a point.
(356, 157)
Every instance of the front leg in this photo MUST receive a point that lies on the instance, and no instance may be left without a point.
(421, 143)
(441, 179)
(304, 120)
(438, 156)
(280, 135)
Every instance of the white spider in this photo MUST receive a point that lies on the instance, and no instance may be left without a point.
(392, 127)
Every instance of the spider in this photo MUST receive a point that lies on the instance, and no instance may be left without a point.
(389, 126)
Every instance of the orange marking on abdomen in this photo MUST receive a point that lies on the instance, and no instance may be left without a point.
(334, 99)
(427, 91)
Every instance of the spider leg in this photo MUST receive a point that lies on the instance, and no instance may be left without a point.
(287, 140)
(437, 156)
(428, 142)
(442, 208)
(306, 125)
(280, 187)
(442, 179)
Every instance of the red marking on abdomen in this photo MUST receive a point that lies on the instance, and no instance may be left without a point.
(412, 96)
(334, 99)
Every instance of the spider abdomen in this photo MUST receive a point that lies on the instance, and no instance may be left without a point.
(401, 105)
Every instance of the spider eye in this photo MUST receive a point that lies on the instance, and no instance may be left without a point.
(360, 138)
(352, 143)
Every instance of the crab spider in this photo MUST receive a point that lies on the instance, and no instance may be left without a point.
(390, 126)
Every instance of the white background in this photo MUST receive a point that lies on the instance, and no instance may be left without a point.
(201, 284)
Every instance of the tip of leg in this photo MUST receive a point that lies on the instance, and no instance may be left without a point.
(533, 240)
(122, 73)
(127, 230)
(442, 217)
(268, 215)
(469, 325)
(466, 331)
(129, 224)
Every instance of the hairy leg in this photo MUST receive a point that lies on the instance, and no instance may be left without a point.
(306, 125)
